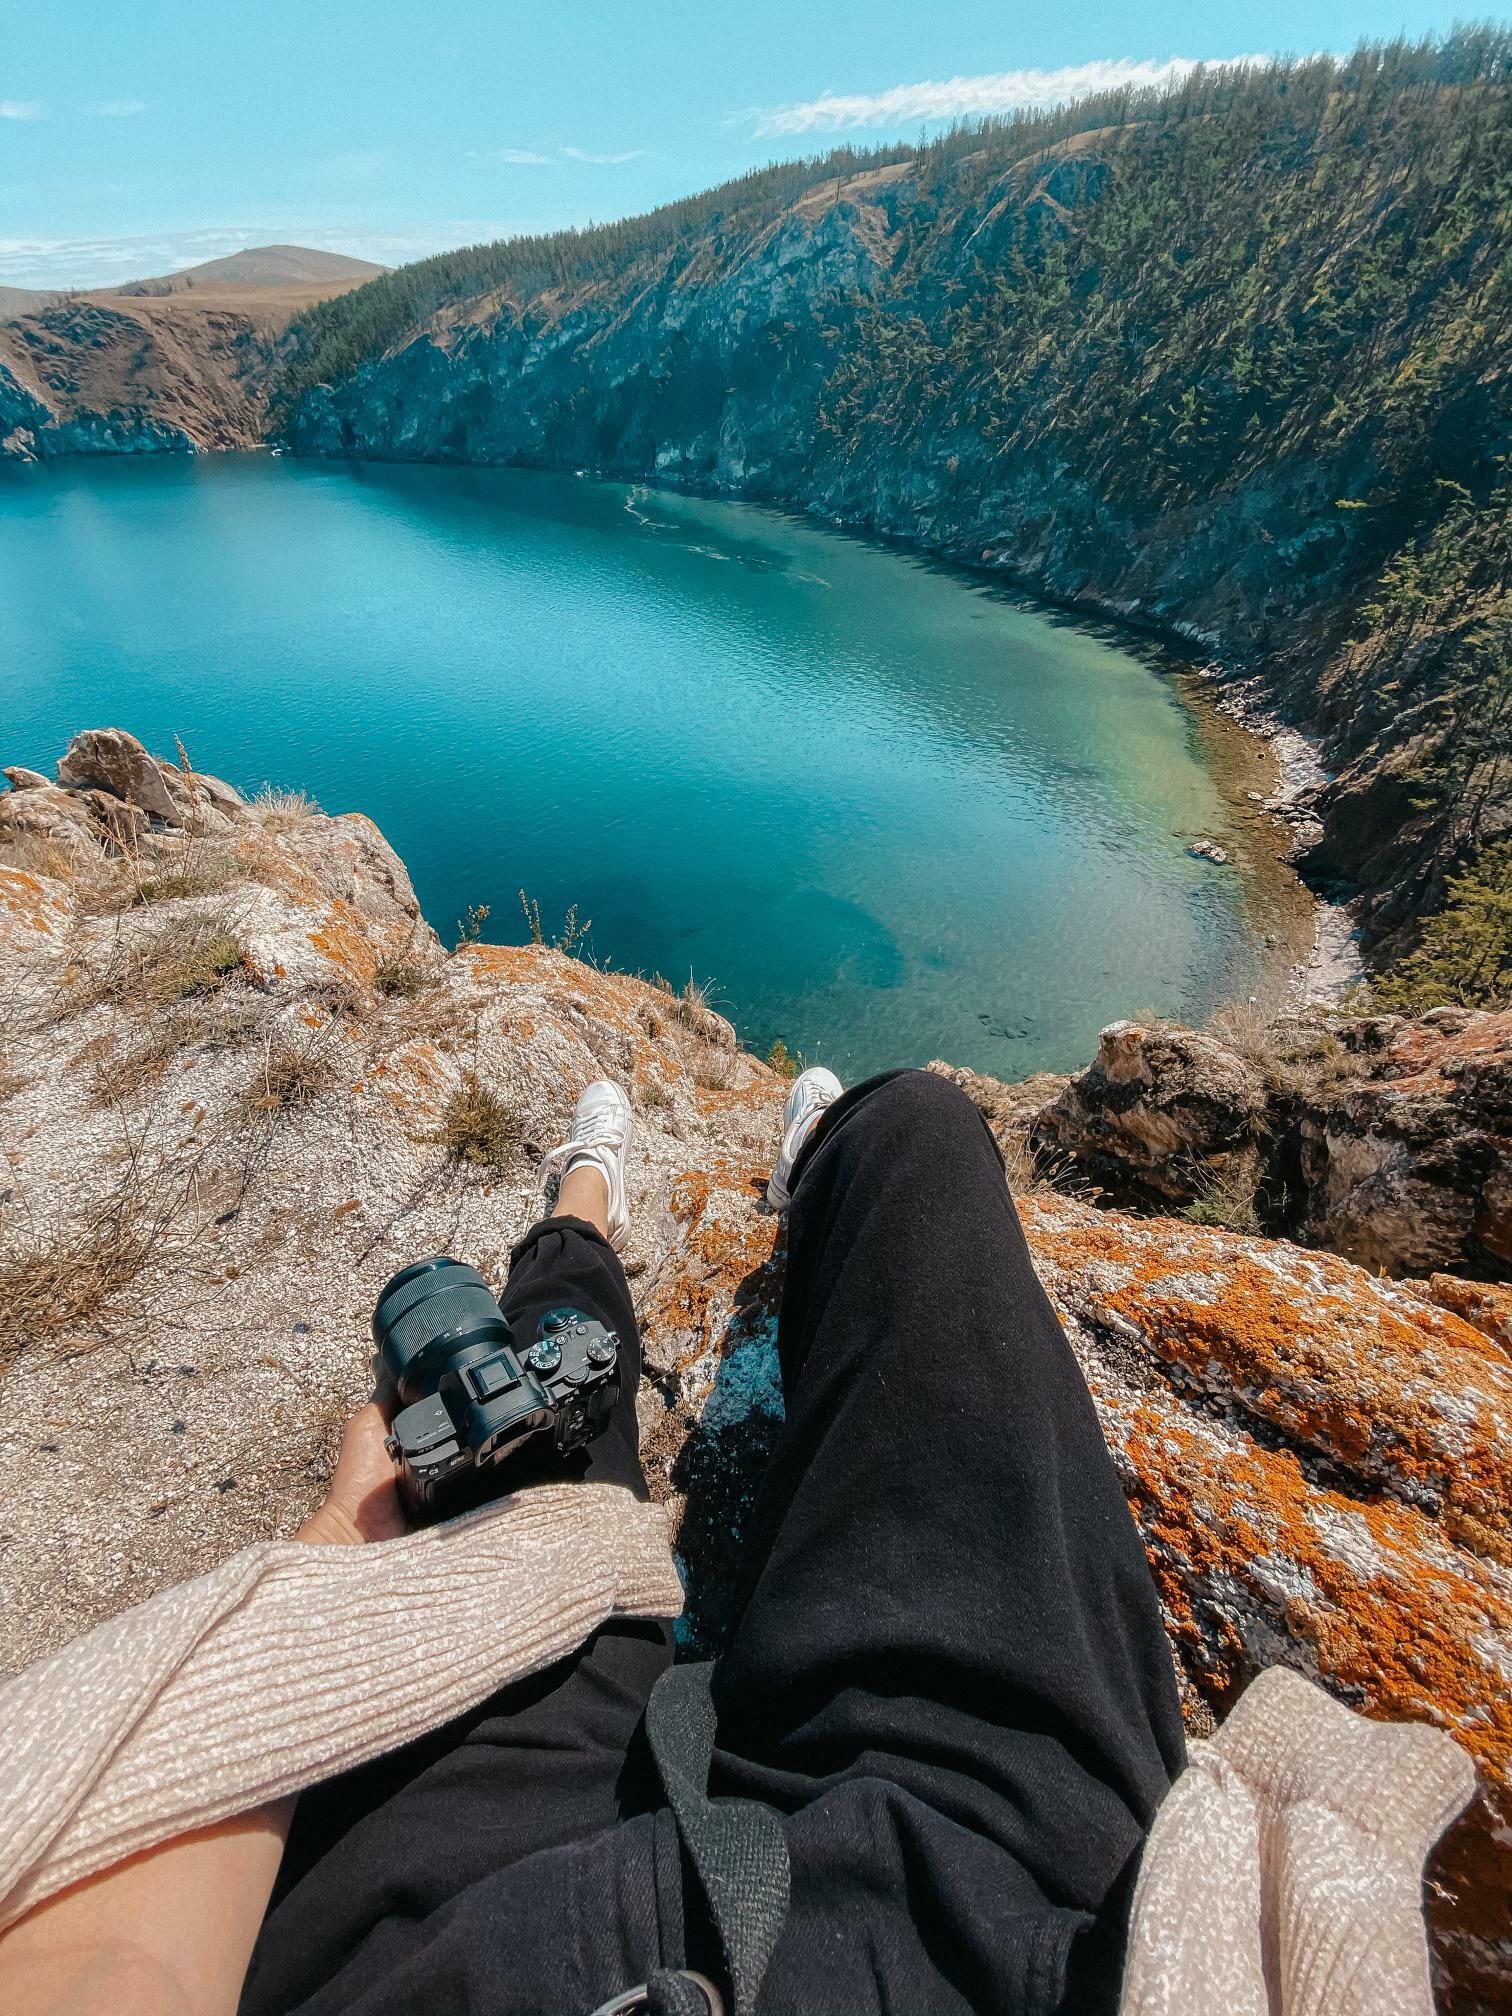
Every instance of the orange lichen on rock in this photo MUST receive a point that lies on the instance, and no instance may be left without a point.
(1487, 1305)
(344, 938)
(28, 903)
(1409, 1396)
(1256, 1563)
(726, 1248)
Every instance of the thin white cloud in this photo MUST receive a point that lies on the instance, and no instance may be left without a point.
(519, 157)
(976, 97)
(22, 108)
(606, 160)
(117, 108)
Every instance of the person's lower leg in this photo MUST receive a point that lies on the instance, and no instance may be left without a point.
(940, 1570)
(584, 1194)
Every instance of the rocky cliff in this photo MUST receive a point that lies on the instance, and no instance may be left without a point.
(1084, 351)
(1384, 1138)
(155, 371)
(241, 1081)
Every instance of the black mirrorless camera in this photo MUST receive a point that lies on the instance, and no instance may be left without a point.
(467, 1396)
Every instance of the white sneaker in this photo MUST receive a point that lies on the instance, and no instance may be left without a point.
(812, 1091)
(600, 1139)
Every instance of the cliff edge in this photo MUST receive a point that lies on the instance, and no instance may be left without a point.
(242, 1081)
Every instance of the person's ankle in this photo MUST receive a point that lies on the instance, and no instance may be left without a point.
(584, 1194)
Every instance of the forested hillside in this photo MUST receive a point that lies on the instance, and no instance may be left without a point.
(1230, 360)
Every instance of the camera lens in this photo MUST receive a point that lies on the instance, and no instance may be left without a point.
(434, 1314)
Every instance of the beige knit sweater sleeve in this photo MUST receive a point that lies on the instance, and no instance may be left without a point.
(289, 1663)
(1284, 1873)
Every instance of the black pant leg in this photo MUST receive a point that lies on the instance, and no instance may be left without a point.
(948, 1663)
(549, 1760)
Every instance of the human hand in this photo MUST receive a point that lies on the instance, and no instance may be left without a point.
(363, 1502)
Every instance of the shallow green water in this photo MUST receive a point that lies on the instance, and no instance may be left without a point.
(889, 812)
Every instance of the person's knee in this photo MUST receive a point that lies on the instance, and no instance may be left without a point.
(926, 1113)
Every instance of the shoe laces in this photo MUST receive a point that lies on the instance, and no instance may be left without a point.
(602, 1129)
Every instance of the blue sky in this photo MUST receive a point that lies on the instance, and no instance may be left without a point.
(140, 135)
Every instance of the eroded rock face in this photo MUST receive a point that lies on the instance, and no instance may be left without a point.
(203, 1191)
(1387, 1140)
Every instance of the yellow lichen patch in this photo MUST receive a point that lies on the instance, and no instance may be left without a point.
(1407, 1395)
(726, 1247)
(343, 937)
(29, 904)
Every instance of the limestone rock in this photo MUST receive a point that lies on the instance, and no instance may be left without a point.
(1411, 1170)
(43, 813)
(114, 761)
(1320, 1461)
(1384, 1139)
(1159, 1113)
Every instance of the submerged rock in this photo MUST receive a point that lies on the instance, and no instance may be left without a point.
(229, 1070)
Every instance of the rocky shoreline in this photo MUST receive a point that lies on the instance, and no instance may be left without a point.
(1335, 964)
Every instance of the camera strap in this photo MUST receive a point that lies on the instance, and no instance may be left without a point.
(736, 1847)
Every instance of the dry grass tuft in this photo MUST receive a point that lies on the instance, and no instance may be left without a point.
(478, 1127)
(339, 994)
(118, 1075)
(11, 1080)
(713, 1069)
(402, 979)
(1226, 1200)
(654, 1093)
(181, 960)
(31, 854)
(66, 1281)
(293, 1074)
(279, 810)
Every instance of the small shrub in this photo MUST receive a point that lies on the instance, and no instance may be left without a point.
(781, 1060)
(651, 1022)
(655, 1094)
(470, 927)
(1465, 957)
(572, 934)
(402, 979)
(293, 1074)
(1226, 1200)
(477, 1127)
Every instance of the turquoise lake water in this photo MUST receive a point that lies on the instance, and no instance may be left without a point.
(889, 812)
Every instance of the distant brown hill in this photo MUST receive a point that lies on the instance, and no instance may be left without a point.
(20, 301)
(262, 266)
(181, 362)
